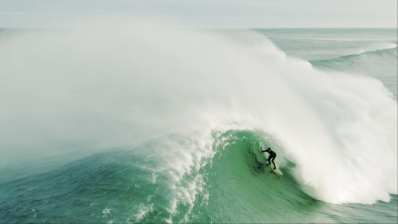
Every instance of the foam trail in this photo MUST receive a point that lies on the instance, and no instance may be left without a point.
(99, 85)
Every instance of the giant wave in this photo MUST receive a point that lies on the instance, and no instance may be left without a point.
(109, 86)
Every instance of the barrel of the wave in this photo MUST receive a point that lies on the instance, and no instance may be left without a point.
(271, 166)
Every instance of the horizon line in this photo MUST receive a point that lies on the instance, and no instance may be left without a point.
(233, 27)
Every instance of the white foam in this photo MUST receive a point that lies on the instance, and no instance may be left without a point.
(143, 209)
(131, 81)
(106, 212)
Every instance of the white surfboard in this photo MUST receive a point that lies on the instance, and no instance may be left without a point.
(271, 166)
(277, 170)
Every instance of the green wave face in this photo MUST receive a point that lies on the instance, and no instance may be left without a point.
(149, 184)
(238, 182)
(239, 188)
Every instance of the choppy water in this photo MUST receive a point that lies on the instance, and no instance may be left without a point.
(142, 123)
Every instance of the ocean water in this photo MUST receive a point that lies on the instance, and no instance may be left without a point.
(147, 123)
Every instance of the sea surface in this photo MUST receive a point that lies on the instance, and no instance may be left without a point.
(147, 123)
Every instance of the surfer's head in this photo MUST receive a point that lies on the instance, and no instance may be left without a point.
(269, 149)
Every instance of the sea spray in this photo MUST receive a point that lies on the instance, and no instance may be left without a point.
(106, 86)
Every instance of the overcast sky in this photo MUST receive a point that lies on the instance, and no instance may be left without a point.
(208, 13)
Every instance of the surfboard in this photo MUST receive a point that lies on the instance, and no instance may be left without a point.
(277, 170)
(271, 166)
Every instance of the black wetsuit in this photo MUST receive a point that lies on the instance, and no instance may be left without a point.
(272, 155)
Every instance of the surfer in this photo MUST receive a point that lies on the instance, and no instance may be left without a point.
(272, 155)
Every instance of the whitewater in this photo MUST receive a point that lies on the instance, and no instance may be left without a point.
(142, 122)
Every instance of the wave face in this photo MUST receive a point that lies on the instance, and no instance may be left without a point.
(184, 111)
(162, 180)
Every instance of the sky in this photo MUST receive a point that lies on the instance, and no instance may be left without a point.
(207, 13)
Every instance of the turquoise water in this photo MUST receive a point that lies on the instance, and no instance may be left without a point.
(121, 186)
(158, 125)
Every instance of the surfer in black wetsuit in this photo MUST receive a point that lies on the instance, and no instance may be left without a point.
(272, 155)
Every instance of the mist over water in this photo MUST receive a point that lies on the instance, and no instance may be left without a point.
(176, 100)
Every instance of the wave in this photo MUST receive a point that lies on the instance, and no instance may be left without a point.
(381, 64)
(105, 86)
(373, 61)
(384, 53)
(164, 180)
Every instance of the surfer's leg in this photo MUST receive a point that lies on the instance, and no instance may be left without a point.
(274, 163)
